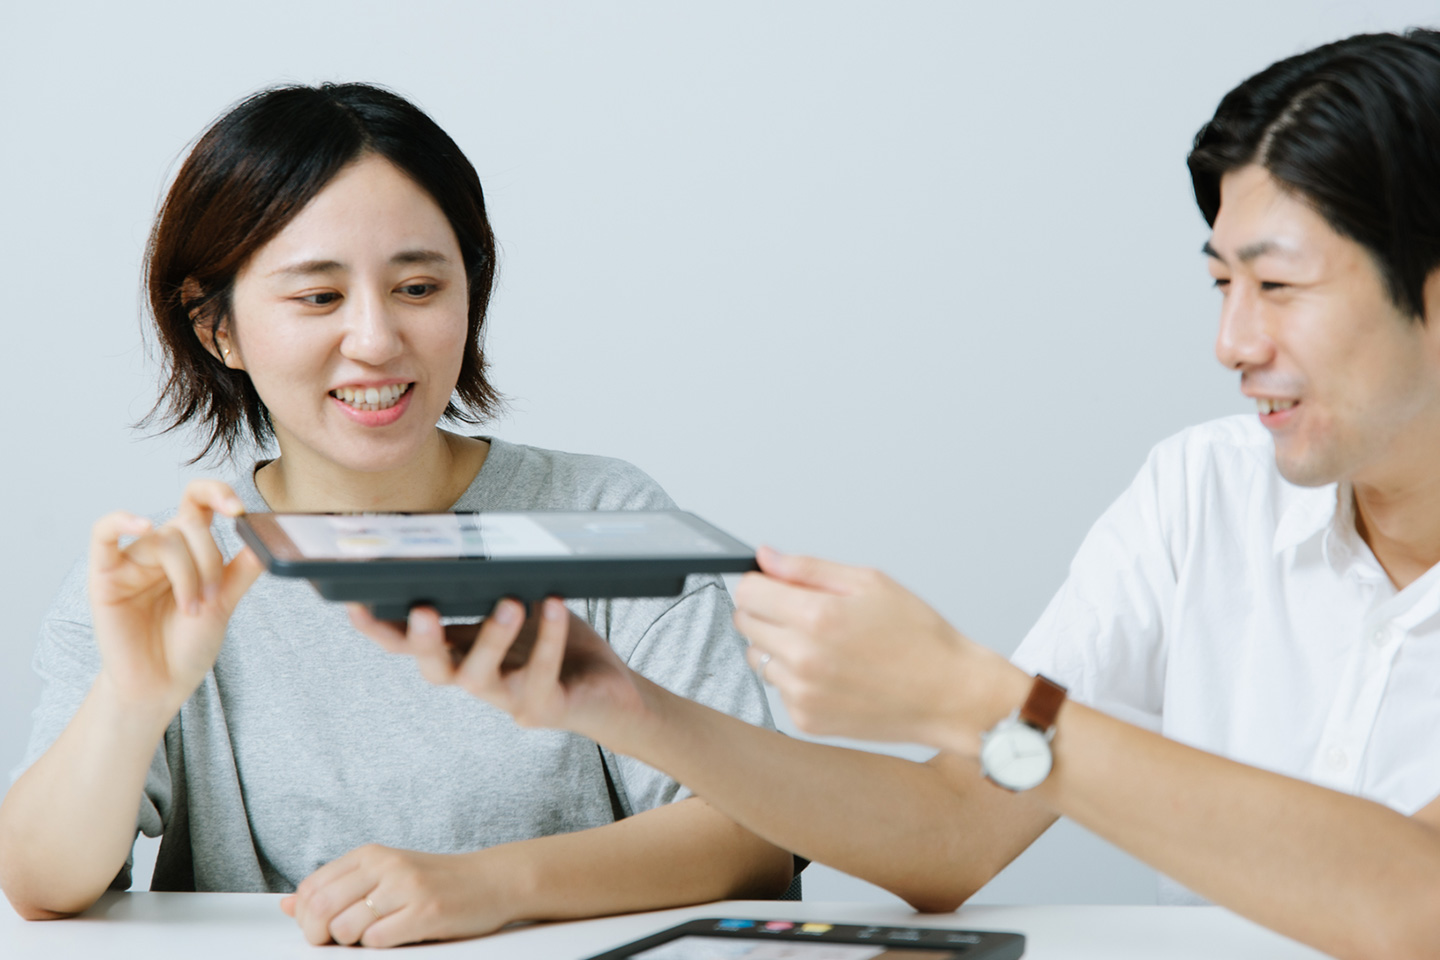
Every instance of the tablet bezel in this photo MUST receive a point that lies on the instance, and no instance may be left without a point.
(470, 586)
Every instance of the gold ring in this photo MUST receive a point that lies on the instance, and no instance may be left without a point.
(370, 905)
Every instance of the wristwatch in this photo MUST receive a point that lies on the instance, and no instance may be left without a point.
(1016, 754)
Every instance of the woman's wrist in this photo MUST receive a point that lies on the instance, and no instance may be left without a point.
(146, 717)
(519, 893)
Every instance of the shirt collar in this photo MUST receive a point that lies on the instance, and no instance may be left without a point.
(1313, 511)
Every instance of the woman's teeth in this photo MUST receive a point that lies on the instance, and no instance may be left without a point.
(372, 398)
(1267, 405)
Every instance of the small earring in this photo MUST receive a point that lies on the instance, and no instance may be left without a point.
(225, 352)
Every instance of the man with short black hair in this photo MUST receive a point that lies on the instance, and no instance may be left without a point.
(1239, 683)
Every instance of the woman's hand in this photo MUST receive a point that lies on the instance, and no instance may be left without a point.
(854, 654)
(161, 604)
(550, 671)
(380, 897)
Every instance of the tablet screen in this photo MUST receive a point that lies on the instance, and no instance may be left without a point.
(494, 535)
(713, 948)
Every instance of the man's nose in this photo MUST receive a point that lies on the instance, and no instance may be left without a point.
(1242, 341)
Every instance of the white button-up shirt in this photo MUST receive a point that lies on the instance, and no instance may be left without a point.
(1230, 610)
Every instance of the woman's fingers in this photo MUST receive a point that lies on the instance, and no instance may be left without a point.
(327, 892)
(105, 552)
(204, 554)
(166, 548)
(480, 670)
(542, 673)
(238, 576)
(425, 638)
(204, 498)
(390, 637)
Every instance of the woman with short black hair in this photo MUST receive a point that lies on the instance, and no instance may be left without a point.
(319, 275)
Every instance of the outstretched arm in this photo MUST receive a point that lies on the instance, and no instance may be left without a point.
(931, 833)
(854, 654)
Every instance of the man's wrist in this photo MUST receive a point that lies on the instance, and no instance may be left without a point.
(986, 689)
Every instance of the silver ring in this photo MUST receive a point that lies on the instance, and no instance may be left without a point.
(765, 659)
(370, 905)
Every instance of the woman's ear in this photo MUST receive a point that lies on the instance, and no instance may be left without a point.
(213, 336)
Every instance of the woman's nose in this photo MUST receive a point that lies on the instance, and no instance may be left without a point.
(372, 334)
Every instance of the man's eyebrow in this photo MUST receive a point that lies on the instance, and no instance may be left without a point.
(1250, 251)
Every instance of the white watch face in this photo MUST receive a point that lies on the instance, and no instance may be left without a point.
(1016, 756)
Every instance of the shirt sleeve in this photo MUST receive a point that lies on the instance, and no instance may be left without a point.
(67, 662)
(687, 645)
(1103, 635)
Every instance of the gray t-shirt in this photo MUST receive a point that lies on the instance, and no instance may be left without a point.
(307, 740)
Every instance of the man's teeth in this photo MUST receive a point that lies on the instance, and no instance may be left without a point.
(1267, 405)
(371, 398)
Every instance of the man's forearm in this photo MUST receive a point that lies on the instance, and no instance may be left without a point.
(678, 854)
(1344, 874)
(67, 825)
(930, 833)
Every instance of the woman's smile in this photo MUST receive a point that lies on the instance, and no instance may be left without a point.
(373, 406)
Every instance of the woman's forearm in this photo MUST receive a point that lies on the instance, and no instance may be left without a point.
(1344, 874)
(678, 854)
(68, 823)
(931, 833)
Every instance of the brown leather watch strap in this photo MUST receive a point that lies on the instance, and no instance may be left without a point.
(1043, 703)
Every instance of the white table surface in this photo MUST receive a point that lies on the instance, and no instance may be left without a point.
(218, 926)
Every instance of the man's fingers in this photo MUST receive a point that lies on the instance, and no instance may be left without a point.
(763, 597)
(826, 575)
(105, 552)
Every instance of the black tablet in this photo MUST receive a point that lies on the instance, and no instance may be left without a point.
(461, 563)
(733, 939)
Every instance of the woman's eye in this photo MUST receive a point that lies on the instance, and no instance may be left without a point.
(1221, 283)
(1271, 285)
(418, 290)
(320, 299)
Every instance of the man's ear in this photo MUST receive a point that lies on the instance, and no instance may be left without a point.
(213, 336)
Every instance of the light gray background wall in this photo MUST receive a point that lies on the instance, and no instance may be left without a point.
(914, 285)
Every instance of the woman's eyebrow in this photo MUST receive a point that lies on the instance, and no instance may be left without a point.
(403, 258)
(409, 257)
(305, 267)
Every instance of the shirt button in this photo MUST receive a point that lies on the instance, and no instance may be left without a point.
(1380, 637)
(1335, 758)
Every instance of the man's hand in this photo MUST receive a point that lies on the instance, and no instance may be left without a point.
(855, 654)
